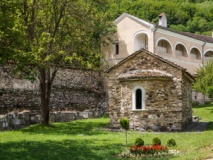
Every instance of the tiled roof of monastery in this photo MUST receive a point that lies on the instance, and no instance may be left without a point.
(191, 35)
(152, 25)
(139, 74)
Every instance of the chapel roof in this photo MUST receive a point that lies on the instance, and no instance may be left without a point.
(141, 74)
(153, 55)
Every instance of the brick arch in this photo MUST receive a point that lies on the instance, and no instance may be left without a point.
(181, 49)
(195, 53)
(208, 55)
(164, 46)
(141, 40)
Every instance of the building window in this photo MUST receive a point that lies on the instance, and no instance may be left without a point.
(138, 99)
(116, 44)
(138, 95)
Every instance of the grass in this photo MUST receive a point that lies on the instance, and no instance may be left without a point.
(87, 140)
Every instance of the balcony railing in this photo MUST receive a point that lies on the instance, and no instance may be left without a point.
(178, 53)
(207, 59)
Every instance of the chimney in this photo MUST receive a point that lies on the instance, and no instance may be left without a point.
(162, 20)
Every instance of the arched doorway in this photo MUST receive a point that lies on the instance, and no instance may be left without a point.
(141, 41)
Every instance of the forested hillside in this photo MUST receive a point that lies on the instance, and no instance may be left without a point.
(194, 16)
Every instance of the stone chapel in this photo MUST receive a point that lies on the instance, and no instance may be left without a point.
(154, 93)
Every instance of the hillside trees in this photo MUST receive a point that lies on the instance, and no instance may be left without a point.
(49, 34)
(10, 36)
(193, 16)
(204, 79)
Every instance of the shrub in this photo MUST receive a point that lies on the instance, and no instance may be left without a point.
(171, 142)
(156, 141)
(139, 142)
(124, 122)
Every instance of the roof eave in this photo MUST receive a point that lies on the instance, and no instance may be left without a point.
(140, 21)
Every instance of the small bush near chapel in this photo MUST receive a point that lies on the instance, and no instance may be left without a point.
(171, 143)
(124, 122)
(139, 142)
(156, 141)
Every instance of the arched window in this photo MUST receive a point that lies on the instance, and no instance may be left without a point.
(138, 94)
(208, 56)
(164, 47)
(180, 50)
(138, 99)
(195, 53)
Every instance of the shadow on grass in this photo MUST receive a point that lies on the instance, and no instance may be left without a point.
(56, 150)
(209, 126)
(87, 127)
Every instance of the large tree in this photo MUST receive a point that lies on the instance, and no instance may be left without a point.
(51, 34)
(204, 79)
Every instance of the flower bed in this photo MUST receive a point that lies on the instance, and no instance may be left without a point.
(154, 149)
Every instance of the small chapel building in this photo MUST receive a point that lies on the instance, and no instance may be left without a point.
(153, 92)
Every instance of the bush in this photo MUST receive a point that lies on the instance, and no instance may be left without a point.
(139, 142)
(171, 142)
(156, 141)
(124, 122)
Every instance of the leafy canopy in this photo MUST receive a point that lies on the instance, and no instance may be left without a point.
(204, 79)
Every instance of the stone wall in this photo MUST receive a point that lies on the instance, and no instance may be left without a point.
(163, 96)
(199, 98)
(187, 101)
(72, 90)
(16, 120)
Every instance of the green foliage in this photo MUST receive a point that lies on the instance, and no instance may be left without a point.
(39, 37)
(156, 141)
(204, 79)
(171, 143)
(124, 122)
(105, 115)
(86, 139)
(139, 142)
(195, 104)
(194, 16)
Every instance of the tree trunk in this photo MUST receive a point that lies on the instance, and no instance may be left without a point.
(126, 138)
(45, 89)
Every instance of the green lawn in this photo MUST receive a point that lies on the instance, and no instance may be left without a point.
(86, 139)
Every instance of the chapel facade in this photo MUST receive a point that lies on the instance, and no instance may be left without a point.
(152, 92)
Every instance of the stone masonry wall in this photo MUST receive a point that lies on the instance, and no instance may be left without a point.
(187, 101)
(163, 98)
(72, 90)
(16, 120)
